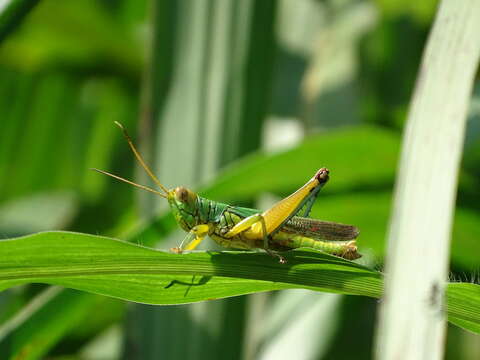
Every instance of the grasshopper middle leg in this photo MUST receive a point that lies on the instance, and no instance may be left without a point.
(256, 225)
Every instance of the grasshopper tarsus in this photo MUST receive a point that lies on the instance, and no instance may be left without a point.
(274, 254)
(176, 250)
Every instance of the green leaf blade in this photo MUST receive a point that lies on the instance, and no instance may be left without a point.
(130, 272)
(124, 270)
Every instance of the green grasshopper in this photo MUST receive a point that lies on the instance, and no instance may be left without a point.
(279, 228)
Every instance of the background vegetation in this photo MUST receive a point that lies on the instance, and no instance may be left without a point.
(243, 99)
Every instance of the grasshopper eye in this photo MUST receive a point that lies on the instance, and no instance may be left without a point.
(182, 194)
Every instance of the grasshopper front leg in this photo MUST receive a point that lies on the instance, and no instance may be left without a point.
(194, 237)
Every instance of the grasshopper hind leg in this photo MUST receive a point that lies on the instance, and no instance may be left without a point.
(275, 254)
(266, 245)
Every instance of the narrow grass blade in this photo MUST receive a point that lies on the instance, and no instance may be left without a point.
(123, 270)
(12, 13)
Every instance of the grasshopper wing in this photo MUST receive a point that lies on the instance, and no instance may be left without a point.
(320, 230)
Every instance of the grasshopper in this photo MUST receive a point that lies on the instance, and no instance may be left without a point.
(284, 226)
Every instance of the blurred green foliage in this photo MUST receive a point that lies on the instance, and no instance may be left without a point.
(201, 85)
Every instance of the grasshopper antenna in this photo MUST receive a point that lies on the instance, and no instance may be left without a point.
(140, 159)
(130, 182)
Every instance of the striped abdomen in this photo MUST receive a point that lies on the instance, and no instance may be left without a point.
(343, 248)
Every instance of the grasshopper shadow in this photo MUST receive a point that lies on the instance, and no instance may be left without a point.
(202, 281)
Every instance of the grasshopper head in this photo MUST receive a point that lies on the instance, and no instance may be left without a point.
(182, 196)
(183, 203)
